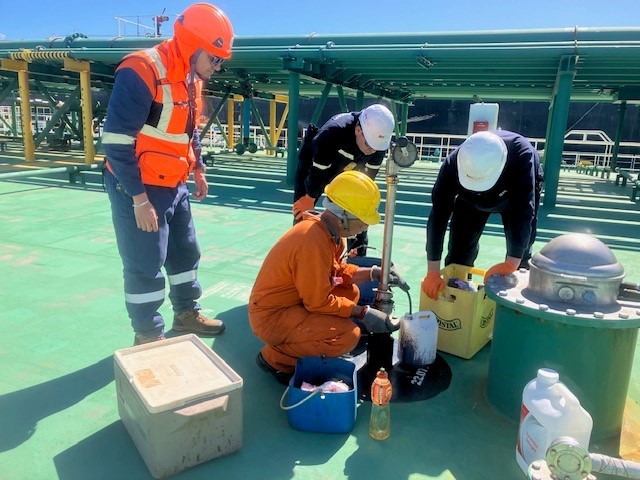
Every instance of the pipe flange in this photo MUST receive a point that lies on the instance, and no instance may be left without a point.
(567, 459)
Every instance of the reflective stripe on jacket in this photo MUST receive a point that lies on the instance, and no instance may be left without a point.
(163, 146)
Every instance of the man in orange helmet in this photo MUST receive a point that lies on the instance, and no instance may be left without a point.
(152, 146)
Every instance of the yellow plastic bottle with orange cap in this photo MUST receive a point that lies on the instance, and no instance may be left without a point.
(381, 392)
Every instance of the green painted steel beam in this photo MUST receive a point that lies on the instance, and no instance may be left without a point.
(555, 134)
(8, 88)
(292, 126)
(341, 99)
(258, 117)
(321, 103)
(53, 105)
(214, 112)
(359, 100)
(404, 114)
(616, 143)
(57, 115)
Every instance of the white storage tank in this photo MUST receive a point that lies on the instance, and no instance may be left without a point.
(180, 402)
(482, 117)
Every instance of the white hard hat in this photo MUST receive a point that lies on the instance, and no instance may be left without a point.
(481, 159)
(377, 125)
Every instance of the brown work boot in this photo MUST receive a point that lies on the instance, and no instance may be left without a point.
(141, 338)
(196, 322)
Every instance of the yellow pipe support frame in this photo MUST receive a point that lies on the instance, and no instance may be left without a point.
(230, 123)
(30, 55)
(84, 69)
(282, 120)
(272, 125)
(22, 68)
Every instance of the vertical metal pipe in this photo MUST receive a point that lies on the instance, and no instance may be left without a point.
(14, 119)
(555, 138)
(616, 143)
(246, 120)
(272, 124)
(292, 129)
(404, 115)
(389, 217)
(230, 140)
(394, 110)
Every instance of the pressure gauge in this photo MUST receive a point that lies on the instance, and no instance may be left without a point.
(404, 152)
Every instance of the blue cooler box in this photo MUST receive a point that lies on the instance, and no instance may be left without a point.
(323, 412)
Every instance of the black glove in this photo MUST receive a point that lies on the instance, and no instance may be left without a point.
(376, 321)
(394, 277)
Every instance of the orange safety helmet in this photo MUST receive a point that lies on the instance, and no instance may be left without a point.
(204, 26)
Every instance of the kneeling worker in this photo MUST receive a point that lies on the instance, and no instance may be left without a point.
(305, 299)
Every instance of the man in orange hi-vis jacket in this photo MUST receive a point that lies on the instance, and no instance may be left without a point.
(305, 299)
(151, 144)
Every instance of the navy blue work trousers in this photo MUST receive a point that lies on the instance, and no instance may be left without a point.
(174, 246)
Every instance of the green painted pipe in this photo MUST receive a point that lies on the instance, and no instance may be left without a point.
(495, 36)
(50, 171)
(292, 126)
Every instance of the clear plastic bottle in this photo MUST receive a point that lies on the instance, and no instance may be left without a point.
(381, 391)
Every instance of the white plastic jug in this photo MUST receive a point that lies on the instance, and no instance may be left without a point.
(418, 339)
(549, 410)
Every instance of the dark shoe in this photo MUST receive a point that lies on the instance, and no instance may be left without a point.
(360, 348)
(281, 377)
(196, 322)
(141, 338)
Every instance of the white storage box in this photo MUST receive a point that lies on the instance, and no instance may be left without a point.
(180, 402)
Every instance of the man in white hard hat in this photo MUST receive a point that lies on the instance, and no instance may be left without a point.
(348, 141)
(491, 172)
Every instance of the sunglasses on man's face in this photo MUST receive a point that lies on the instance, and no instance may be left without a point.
(215, 61)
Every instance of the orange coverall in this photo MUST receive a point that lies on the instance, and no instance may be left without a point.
(303, 297)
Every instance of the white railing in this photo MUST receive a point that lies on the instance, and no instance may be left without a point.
(214, 139)
(431, 146)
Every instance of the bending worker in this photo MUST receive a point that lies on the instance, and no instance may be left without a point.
(348, 141)
(151, 144)
(491, 172)
(305, 302)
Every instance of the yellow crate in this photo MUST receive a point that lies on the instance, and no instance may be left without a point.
(465, 319)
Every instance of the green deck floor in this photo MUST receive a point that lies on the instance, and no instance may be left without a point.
(62, 316)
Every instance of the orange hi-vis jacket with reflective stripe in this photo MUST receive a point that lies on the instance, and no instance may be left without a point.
(163, 145)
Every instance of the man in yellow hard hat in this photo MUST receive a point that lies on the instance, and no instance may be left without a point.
(305, 299)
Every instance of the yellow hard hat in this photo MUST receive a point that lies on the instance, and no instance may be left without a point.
(357, 194)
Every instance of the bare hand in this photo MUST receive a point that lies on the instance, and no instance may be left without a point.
(202, 187)
(146, 217)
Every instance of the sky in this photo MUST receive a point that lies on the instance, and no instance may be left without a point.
(45, 18)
